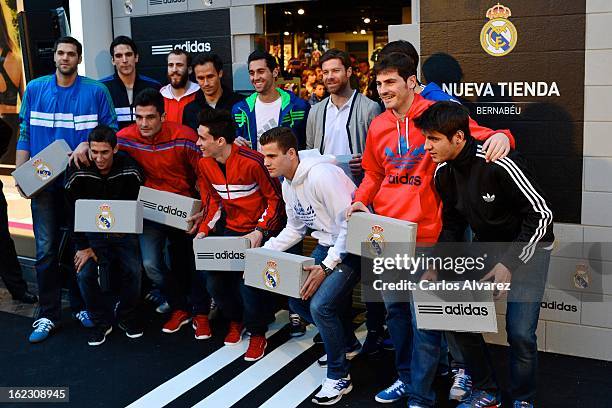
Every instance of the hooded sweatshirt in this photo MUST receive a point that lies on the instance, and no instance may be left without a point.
(316, 198)
(399, 173)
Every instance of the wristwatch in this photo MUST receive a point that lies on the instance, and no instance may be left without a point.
(326, 270)
(265, 233)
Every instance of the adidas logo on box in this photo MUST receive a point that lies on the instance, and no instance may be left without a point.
(220, 253)
(168, 208)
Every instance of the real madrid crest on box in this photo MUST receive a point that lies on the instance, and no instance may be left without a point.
(270, 275)
(377, 240)
(498, 36)
(42, 169)
(105, 219)
(581, 277)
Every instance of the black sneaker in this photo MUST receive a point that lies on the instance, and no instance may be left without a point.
(373, 343)
(317, 339)
(98, 335)
(297, 327)
(132, 328)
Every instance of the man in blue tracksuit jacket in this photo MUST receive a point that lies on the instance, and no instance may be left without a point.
(269, 106)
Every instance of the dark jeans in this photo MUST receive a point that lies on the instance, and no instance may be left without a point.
(122, 252)
(327, 310)
(180, 283)
(48, 216)
(224, 287)
(522, 314)
(10, 272)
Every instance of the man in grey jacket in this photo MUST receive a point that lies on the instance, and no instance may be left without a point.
(338, 125)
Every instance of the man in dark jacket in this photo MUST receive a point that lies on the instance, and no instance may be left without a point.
(11, 270)
(113, 175)
(208, 71)
(125, 83)
(501, 202)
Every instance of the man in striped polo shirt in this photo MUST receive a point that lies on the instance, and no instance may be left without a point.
(63, 105)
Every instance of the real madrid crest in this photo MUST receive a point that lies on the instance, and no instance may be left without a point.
(271, 275)
(377, 240)
(498, 36)
(42, 169)
(105, 218)
(581, 277)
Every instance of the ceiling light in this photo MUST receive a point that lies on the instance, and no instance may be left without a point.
(319, 26)
(355, 32)
(363, 31)
(366, 20)
(286, 33)
(300, 11)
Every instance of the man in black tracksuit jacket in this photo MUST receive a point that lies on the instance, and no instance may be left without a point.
(112, 175)
(501, 202)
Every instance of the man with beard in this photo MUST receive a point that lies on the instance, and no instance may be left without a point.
(268, 106)
(208, 70)
(180, 91)
(125, 83)
(65, 106)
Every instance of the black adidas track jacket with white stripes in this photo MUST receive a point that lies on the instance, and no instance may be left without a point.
(499, 200)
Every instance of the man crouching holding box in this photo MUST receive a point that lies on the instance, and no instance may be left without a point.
(112, 176)
(316, 194)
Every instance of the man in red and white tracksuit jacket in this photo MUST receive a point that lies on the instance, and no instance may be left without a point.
(251, 200)
(168, 154)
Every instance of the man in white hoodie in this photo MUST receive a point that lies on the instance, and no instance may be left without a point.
(316, 193)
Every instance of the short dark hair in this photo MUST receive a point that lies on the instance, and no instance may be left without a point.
(258, 55)
(282, 136)
(445, 117)
(103, 134)
(333, 54)
(401, 46)
(150, 97)
(69, 40)
(123, 40)
(207, 57)
(396, 61)
(219, 123)
(179, 51)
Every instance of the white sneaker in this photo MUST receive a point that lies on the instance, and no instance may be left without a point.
(332, 391)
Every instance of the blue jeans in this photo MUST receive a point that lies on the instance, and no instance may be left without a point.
(180, 283)
(326, 309)
(48, 216)
(522, 314)
(119, 250)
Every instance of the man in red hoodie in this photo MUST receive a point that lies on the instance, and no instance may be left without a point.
(398, 183)
(251, 199)
(168, 155)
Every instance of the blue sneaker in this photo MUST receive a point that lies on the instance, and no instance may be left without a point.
(462, 385)
(332, 391)
(42, 329)
(481, 399)
(522, 404)
(393, 393)
(83, 317)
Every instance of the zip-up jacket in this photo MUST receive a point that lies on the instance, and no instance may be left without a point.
(174, 106)
(361, 113)
(50, 112)
(398, 180)
(248, 195)
(499, 200)
(190, 114)
(293, 114)
(169, 159)
(121, 183)
(117, 90)
(316, 198)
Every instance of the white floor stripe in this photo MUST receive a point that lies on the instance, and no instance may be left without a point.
(255, 375)
(298, 389)
(180, 384)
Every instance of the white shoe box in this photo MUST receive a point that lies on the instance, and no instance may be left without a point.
(168, 208)
(276, 271)
(110, 216)
(220, 253)
(33, 175)
(378, 231)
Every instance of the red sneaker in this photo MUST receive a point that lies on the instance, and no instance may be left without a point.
(257, 348)
(178, 318)
(234, 334)
(201, 327)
